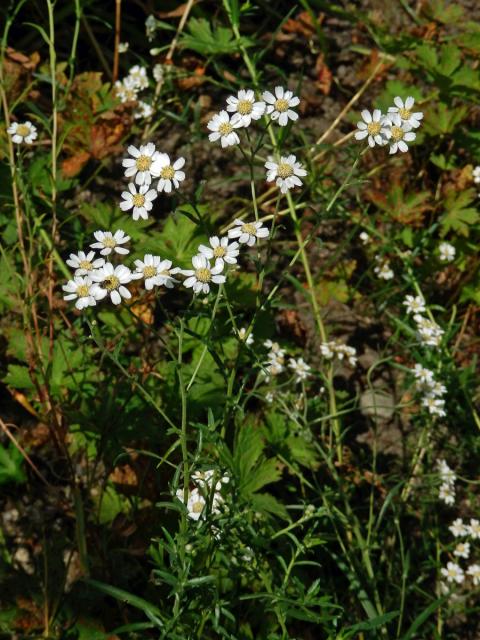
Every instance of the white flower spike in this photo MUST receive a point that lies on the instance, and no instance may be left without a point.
(168, 173)
(280, 106)
(286, 173)
(140, 201)
(109, 242)
(202, 275)
(246, 107)
(248, 232)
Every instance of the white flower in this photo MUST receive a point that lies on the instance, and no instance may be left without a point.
(404, 110)
(446, 252)
(422, 374)
(447, 494)
(22, 132)
(244, 104)
(158, 72)
(155, 272)
(274, 366)
(332, 349)
(458, 529)
(437, 389)
(269, 397)
(372, 126)
(383, 269)
(150, 26)
(203, 274)
(474, 571)
(140, 201)
(144, 110)
(474, 529)
(140, 163)
(248, 232)
(275, 349)
(242, 335)
(84, 263)
(123, 47)
(138, 77)
(453, 573)
(204, 480)
(286, 173)
(300, 368)
(364, 237)
(196, 503)
(430, 333)
(112, 280)
(414, 304)
(167, 172)
(220, 250)
(462, 550)
(398, 133)
(476, 175)
(279, 106)
(434, 405)
(447, 475)
(108, 242)
(126, 90)
(222, 128)
(84, 291)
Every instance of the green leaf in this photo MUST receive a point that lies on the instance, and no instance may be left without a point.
(459, 216)
(369, 625)
(266, 503)
(263, 474)
(207, 41)
(11, 465)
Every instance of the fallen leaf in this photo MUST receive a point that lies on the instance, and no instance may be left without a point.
(174, 13)
(73, 165)
(302, 24)
(323, 74)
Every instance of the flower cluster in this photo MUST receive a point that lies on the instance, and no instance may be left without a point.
(340, 351)
(448, 478)
(432, 390)
(206, 495)
(274, 365)
(383, 269)
(468, 533)
(130, 86)
(428, 331)
(394, 128)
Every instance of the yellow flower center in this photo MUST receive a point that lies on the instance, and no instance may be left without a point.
(109, 242)
(167, 173)
(85, 264)
(219, 252)
(197, 507)
(83, 291)
(138, 200)
(149, 272)
(143, 163)
(281, 105)
(404, 114)
(23, 130)
(249, 228)
(244, 107)
(284, 170)
(225, 128)
(203, 274)
(111, 283)
(397, 133)
(374, 128)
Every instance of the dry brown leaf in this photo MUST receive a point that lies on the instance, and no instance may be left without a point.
(124, 475)
(323, 74)
(302, 24)
(73, 165)
(174, 13)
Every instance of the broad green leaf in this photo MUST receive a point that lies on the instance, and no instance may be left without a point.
(11, 465)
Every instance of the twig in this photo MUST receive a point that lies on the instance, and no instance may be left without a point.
(118, 16)
(10, 435)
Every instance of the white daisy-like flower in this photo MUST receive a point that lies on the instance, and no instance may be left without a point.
(429, 332)
(280, 106)
(156, 272)
(220, 250)
(398, 133)
(84, 291)
(140, 201)
(22, 132)
(372, 126)
(204, 480)
(476, 175)
(126, 90)
(112, 280)
(248, 232)
(458, 529)
(414, 304)
(364, 237)
(423, 375)
(453, 573)
(300, 368)
(245, 105)
(144, 110)
(383, 269)
(435, 406)
(242, 335)
(286, 173)
(123, 47)
(168, 173)
(474, 529)
(474, 572)
(446, 252)
(158, 72)
(84, 263)
(223, 129)
(447, 474)
(203, 274)
(447, 494)
(404, 110)
(462, 550)
(138, 77)
(140, 163)
(195, 505)
(341, 351)
(109, 242)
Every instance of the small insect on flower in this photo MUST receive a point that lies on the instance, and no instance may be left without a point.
(247, 339)
(138, 77)
(168, 173)
(223, 129)
(140, 163)
(84, 263)
(399, 133)
(414, 304)
(300, 368)
(286, 173)
(202, 275)
(248, 232)
(220, 250)
(404, 110)
(453, 573)
(246, 107)
(112, 280)
(155, 272)
(458, 529)
(22, 132)
(280, 106)
(140, 201)
(84, 291)
(108, 242)
(446, 252)
(474, 572)
(372, 126)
